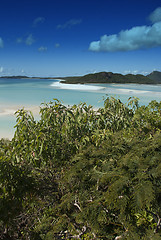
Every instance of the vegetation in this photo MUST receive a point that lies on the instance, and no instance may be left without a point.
(19, 77)
(83, 174)
(109, 77)
(106, 77)
(155, 76)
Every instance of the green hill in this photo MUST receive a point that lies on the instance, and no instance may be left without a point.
(155, 76)
(106, 77)
(109, 77)
(20, 77)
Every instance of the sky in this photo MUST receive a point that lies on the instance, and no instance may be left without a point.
(51, 38)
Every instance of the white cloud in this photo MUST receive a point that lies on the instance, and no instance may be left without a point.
(1, 69)
(38, 20)
(29, 40)
(127, 72)
(145, 73)
(127, 40)
(135, 72)
(156, 15)
(1, 43)
(131, 72)
(42, 49)
(69, 24)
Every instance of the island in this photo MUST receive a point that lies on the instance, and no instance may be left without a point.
(109, 77)
(103, 77)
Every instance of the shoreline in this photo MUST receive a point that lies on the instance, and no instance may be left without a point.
(8, 118)
(10, 110)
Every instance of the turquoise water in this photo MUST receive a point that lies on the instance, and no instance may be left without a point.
(35, 91)
(28, 92)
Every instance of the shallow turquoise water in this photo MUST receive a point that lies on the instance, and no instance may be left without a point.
(29, 92)
(34, 92)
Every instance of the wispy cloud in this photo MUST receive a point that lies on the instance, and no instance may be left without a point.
(133, 39)
(29, 40)
(38, 21)
(156, 15)
(69, 24)
(42, 49)
(136, 72)
(19, 40)
(57, 45)
(12, 71)
(1, 43)
(131, 72)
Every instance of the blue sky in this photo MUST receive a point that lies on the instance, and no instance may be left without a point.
(64, 38)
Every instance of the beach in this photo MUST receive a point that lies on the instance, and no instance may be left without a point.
(10, 111)
(8, 118)
(31, 93)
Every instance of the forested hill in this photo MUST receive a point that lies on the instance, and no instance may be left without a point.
(109, 77)
(105, 77)
(155, 76)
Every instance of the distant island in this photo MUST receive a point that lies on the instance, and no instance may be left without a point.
(109, 77)
(105, 77)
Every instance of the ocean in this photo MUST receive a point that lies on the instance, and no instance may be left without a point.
(29, 93)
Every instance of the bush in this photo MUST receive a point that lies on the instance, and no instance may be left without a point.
(78, 173)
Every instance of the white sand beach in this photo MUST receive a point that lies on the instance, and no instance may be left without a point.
(10, 110)
(29, 94)
(8, 118)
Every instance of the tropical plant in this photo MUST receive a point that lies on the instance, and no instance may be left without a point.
(80, 173)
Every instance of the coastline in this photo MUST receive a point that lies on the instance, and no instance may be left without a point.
(102, 77)
(8, 118)
(10, 110)
(58, 89)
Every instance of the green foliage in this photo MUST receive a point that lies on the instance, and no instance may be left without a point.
(109, 77)
(155, 76)
(78, 173)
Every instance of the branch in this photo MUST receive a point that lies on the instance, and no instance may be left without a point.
(84, 229)
(77, 205)
(121, 236)
(158, 224)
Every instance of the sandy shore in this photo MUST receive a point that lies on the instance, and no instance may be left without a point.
(8, 118)
(10, 110)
